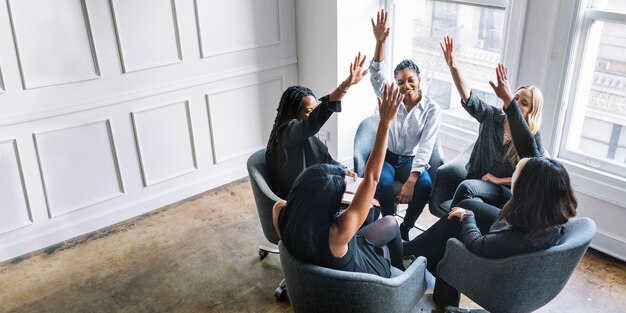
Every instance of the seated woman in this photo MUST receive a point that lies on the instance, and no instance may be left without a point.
(293, 146)
(542, 201)
(505, 135)
(411, 138)
(315, 230)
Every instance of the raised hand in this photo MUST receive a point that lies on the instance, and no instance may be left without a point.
(356, 70)
(502, 89)
(381, 31)
(447, 47)
(389, 104)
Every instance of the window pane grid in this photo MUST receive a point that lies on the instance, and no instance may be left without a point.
(478, 34)
(596, 125)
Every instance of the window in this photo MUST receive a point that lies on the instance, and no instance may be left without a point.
(478, 29)
(594, 132)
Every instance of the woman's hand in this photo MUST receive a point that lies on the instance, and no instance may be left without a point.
(447, 47)
(497, 180)
(352, 174)
(456, 212)
(491, 178)
(356, 73)
(389, 104)
(381, 31)
(502, 89)
(406, 193)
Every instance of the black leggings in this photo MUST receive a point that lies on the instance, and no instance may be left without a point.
(386, 232)
(432, 245)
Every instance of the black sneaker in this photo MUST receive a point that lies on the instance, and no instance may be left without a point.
(404, 232)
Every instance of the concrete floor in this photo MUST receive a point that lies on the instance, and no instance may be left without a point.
(201, 255)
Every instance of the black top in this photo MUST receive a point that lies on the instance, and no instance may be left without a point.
(297, 148)
(503, 240)
(488, 154)
(362, 256)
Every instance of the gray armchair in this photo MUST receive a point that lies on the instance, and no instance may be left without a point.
(521, 283)
(265, 199)
(448, 177)
(364, 141)
(314, 288)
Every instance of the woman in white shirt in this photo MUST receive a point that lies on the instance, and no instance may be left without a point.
(411, 137)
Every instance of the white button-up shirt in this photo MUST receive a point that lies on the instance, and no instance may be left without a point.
(414, 132)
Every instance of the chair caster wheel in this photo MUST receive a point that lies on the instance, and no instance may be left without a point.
(280, 293)
(263, 254)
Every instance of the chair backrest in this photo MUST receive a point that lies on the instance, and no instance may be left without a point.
(521, 283)
(263, 195)
(313, 288)
(364, 141)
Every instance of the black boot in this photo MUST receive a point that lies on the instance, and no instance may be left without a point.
(404, 232)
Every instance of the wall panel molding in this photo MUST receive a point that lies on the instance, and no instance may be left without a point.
(41, 30)
(79, 166)
(165, 142)
(137, 135)
(146, 92)
(229, 108)
(16, 212)
(257, 25)
(146, 40)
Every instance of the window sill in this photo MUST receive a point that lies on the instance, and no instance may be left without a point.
(595, 183)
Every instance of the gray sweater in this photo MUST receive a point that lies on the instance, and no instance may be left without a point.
(488, 154)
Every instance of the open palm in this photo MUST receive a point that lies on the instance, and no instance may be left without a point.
(448, 49)
(381, 31)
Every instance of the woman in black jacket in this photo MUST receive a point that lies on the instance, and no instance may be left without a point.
(293, 146)
(542, 201)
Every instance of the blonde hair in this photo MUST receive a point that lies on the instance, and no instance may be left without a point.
(533, 119)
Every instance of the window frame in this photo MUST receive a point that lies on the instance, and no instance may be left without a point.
(602, 168)
(457, 131)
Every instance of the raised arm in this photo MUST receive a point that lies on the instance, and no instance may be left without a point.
(356, 74)
(296, 131)
(523, 139)
(299, 130)
(447, 47)
(349, 222)
(381, 32)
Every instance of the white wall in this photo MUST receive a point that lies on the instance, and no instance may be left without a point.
(109, 109)
(330, 34)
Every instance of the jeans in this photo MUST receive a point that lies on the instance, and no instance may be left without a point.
(488, 192)
(398, 168)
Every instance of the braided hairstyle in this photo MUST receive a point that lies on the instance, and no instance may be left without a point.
(288, 109)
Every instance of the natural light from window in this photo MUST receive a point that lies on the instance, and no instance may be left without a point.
(478, 32)
(595, 134)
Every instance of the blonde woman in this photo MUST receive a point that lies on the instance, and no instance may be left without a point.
(505, 135)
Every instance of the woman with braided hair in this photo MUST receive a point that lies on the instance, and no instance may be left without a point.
(293, 146)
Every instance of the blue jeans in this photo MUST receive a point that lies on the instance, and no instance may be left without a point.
(398, 168)
(488, 192)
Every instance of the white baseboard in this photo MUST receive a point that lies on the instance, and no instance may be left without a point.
(36, 237)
